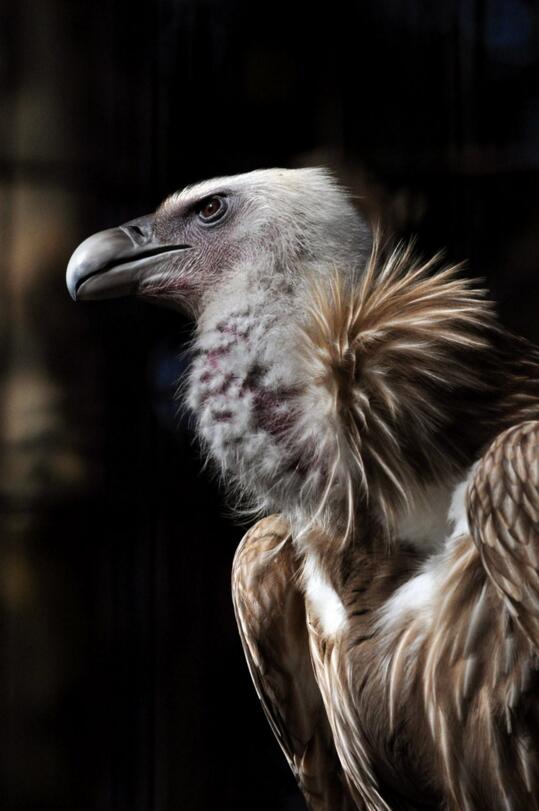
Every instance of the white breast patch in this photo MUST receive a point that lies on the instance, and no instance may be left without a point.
(322, 598)
(418, 595)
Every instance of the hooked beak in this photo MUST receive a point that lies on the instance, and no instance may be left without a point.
(115, 262)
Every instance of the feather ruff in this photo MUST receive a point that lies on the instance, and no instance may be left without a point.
(383, 360)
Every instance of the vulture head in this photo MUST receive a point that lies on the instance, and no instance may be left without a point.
(262, 229)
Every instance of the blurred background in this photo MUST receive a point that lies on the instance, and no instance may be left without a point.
(122, 681)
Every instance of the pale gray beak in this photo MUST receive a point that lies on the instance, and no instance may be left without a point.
(115, 262)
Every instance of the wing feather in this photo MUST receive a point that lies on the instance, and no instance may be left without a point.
(270, 612)
(503, 513)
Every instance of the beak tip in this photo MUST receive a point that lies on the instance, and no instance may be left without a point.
(73, 274)
(71, 287)
(86, 259)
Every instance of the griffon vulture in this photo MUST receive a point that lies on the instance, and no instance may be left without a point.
(389, 607)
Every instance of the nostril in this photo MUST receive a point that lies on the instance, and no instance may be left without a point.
(139, 230)
(139, 234)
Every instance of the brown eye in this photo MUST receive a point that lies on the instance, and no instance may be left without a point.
(212, 209)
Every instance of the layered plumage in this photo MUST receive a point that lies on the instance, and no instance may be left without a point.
(389, 614)
(426, 664)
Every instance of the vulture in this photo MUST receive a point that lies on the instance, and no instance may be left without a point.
(369, 410)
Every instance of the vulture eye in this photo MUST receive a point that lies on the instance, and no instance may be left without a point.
(212, 209)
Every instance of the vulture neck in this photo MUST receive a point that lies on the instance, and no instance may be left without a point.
(242, 386)
(347, 406)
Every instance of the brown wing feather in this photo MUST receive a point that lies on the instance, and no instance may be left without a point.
(504, 521)
(270, 612)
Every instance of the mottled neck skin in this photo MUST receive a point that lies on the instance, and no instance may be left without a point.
(241, 389)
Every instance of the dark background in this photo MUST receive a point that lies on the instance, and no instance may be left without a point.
(122, 681)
